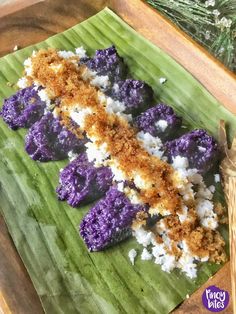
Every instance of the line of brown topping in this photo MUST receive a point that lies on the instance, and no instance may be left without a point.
(120, 137)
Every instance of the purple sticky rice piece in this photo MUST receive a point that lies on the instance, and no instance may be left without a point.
(107, 62)
(200, 148)
(23, 109)
(48, 140)
(109, 221)
(135, 94)
(147, 121)
(80, 182)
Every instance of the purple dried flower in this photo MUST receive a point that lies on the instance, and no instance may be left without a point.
(23, 109)
(200, 148)
(107, 62)
(81, 183)
(48, 140)
(160, 121)
(109, 221)
(135, 94)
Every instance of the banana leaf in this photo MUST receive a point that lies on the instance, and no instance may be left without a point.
(68, 278)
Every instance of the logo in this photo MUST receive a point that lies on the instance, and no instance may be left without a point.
(214, 299)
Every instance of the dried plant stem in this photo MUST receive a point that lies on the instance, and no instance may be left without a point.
(213, 26)
(232, 232)
(228, 171)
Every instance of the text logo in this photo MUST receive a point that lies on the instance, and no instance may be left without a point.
(215, 299)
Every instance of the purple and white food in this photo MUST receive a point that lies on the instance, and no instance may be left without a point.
(48, 140)
(141, 167)
(81, 183)
(109, 221)
(135, 94)
(107, 62)
(160, 121)
(23, 108)
(197, 146)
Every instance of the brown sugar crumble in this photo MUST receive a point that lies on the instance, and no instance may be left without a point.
(221, 212)
(201, 241)
(140, 220)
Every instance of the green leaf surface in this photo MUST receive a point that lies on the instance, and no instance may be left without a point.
(68, 278)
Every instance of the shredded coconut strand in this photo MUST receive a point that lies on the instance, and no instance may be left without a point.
(132, 254)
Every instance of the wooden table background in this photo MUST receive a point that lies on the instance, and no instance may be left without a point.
(24, 22)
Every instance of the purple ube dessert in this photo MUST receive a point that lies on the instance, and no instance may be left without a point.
(109, 221)
(107, 62)
(23, 108)
(80, 182)
(200, 148)
(160, 121)
(48, 140)
(135, 94)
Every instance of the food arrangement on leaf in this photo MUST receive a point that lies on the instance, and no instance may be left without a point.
(150, 174)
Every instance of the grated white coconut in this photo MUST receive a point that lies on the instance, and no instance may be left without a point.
(125, 116)
(184, 215)
(162, 80)
(186, 190)
(132, 195)
(212, 189)
(202, 149)
(79, 114)
(118, 174)
(28, 66)
(167, 261)
(143, 237)
(140, 182)
(97, 154)
(22, 82)
(204, 192)
(120, 186)
(146, 256)
(210, 222)
(56, 67)
(81, 52)
(161, 125)
(194, 177)
(55, 113)
(204, 208)
(65, 54)
(205, 211)
(114, 106)
(180, 162)
(115, 88)
(187, 265)
(72, 155)
(160, 227)
(153, 145)
(132, 254)
(88, 74)
(217, 178)
(204, 259)
(100, 81)
(44, 96)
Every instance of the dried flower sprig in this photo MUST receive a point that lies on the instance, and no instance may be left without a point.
(211, 22)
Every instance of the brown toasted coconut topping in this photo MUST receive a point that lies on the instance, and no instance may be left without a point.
(201, 241)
